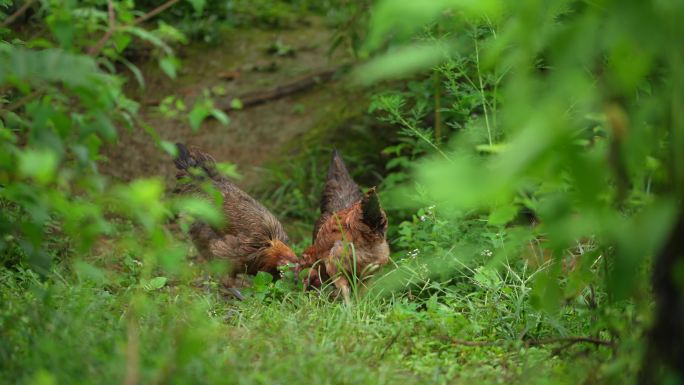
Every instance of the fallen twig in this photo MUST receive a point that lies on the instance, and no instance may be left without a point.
(299, 84)
(390, 343)
(17, 13)
(570, 341)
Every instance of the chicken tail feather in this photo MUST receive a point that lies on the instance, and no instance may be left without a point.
(188, 160)
(340, 190)
(373, 215)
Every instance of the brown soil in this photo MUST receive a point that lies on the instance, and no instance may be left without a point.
(264, 133)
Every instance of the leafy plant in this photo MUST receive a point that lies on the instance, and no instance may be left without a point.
(582, 178)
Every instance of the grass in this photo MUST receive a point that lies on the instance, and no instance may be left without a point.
(68, 329)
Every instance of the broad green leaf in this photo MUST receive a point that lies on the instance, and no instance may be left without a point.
(169, 65)
(487, 277)
(202, 210)
(38, 164)
(546, 293)
(169, 147)
(198, 114)
(198, 5)
(50, 65)
(154, 283)
(149, 37)
(502, 214)
(62, 26)
(261, 281)
(220, 116)
(402, 62)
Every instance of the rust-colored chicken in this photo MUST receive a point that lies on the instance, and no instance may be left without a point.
(252, 239)
(349, 240)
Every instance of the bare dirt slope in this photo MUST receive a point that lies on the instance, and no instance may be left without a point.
(255, 135)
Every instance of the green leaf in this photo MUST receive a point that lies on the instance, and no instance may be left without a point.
(135, 71)
(228, 169)
(236, 104)
(502, 215)
(199, 112)
(261, 281)
(38, 164)
(63, 28)
(149, 37)
(403, 18)
(169, 65)
(154, 283)
(487, 277)
(202, 210)
(402, 62)
(198, 5)
(121, 41)
(546, 293)
(220, 116)
(169, 147)
(50, 65)
(87, 271)
(43, 377)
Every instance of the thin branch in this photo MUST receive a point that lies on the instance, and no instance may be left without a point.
(97, 48)
(438, 107)
(17, 14)
(155, 12)
(424, 138)
(21, 102)
(390, 343)
(111, 13)
(475, 343)
(566, 340)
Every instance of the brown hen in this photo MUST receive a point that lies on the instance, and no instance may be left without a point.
(349, 239)
(252, 239)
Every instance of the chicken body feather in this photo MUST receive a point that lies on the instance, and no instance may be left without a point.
(350, 235)
(252, 238)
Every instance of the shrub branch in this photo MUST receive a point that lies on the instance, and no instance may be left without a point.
(17, 14)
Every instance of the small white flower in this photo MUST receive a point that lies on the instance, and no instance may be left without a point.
(423, 218)
(487, 253)
(413, 253)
